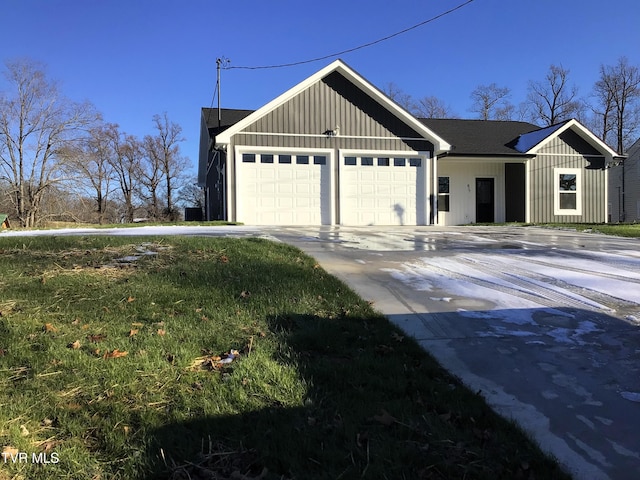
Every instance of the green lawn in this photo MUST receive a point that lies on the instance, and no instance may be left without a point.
(114, 370)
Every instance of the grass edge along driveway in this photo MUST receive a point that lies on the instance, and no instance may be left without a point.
(174, 357)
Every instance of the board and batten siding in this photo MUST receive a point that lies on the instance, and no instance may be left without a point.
(541, 171)
(302, 121)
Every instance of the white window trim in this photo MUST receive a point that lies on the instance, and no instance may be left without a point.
(556, 189)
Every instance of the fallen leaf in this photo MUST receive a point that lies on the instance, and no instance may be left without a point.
(115, 354)
(75, 345)
(9, 451)
(49, 445)
(48, 327)
(23, 431)
(224, 259)
(162, 332)
(133, 332)
(383, 349)
(397, 337)
(3, 352)
(385, 418)
(137, 324)
(130, 299)
(76, 322)
(96, 338)
(245, 294)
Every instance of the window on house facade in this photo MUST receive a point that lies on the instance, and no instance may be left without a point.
(443, 194)
(568, 191)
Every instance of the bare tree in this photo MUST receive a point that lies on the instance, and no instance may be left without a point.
(432, 107)
(125, 162)
(91, 163)
(165, 161)
(491, 102)
(36, 125)
(395, 93)
(553, 100)
(617, 94)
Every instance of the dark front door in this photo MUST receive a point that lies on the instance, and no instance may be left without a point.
(514, 192)
(485, 204)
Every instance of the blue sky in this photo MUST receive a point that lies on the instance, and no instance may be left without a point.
(135, 58)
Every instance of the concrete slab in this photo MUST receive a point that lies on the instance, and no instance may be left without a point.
(545, 323)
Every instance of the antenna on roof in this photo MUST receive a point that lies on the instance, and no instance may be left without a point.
(222, 61)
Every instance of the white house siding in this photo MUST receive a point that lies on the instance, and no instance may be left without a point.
(462, 184)
(558, 154)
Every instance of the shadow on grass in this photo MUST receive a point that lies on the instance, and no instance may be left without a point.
(377, 406)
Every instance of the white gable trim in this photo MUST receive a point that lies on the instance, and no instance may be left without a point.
(580, 130)
(440, 144)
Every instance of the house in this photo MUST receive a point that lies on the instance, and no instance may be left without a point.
(335, 150)
(624, 187)
(4, 221)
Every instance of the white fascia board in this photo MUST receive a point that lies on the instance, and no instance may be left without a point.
(581, 130)
(440, 145)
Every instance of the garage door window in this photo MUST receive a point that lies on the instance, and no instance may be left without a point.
(284, 158)
(366, 161)
(350, 161)
(302, 159)
(266, 158)
(383, 162)
(415, 162)
(249, 157)
(399, 162)
(319, 160)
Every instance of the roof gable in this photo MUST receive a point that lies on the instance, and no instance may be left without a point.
(533, 142)
(350, 75)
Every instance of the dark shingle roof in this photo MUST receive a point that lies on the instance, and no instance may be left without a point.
(229, 117)
(479, 137)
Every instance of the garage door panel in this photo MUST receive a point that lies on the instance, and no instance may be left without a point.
(284, 193)
(380, 194)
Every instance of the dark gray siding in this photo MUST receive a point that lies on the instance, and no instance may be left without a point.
(561, 153)
(332, 102)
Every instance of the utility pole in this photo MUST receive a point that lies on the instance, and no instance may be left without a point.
(218, 63)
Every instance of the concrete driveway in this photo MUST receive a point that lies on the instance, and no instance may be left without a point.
(546, 323)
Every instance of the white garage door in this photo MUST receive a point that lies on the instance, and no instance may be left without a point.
(383, 190)
(283, 189)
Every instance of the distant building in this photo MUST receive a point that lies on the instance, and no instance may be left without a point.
(624, 187)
